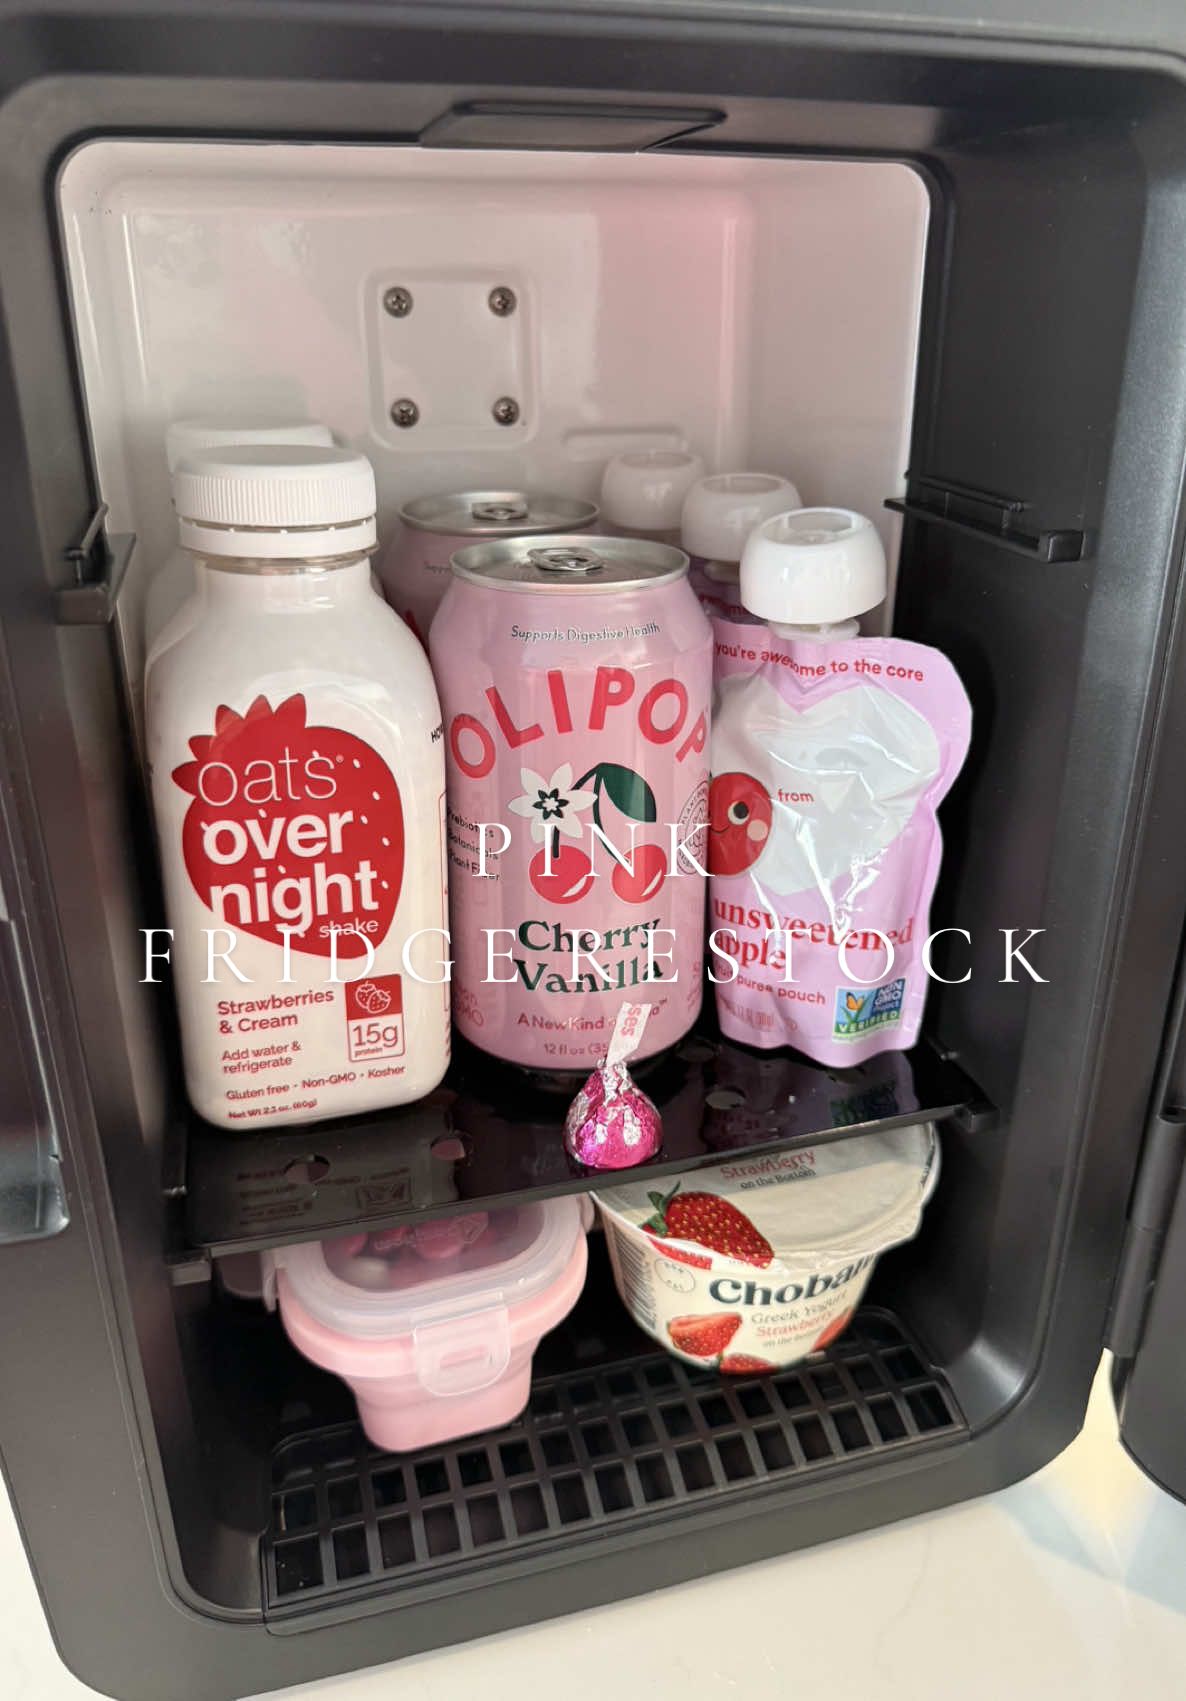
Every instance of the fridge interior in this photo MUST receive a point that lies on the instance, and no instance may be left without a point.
(659, 301)
(777, 313)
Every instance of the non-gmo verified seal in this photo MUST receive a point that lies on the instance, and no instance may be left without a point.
(861, 1009)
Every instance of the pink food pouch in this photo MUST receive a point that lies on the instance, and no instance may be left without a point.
(830, 756)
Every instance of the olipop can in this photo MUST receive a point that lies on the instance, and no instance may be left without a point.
(414, 572)
(575, 676)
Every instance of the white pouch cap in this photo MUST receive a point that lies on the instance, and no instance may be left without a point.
(281, 502)
(720, 512)
(189, 436)
(813, 567)
(645, 491)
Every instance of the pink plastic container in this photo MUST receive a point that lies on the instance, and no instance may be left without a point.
(434, 1326)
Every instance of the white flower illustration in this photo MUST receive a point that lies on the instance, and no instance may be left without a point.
(551, 803)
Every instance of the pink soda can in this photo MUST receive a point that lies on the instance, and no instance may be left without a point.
(575, 676)
(414, 571)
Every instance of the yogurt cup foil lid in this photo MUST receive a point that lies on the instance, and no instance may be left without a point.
(772, 1211)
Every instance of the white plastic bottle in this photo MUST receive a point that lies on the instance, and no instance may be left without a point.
(642, 493)
(298, 783)
(173, 583)
(719, 513)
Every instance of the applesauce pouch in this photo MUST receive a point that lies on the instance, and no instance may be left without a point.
(829, 760)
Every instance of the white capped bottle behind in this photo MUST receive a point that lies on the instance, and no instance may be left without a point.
(719, 513)
(298, 786)
(642, 493)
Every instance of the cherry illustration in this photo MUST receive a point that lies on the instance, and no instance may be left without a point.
(739, 818)
(639, 884)
(569, 879)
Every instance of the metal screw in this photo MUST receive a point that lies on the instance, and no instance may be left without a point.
(404, 412)
(505, 410)
(398, 301)
(502, 300)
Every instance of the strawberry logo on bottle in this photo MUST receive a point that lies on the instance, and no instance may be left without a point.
(372, 998)
(293, 829)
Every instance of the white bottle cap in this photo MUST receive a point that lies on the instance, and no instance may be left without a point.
(645, 491)
(287, 502)
(187, 437)
(720, 512)
(813, 567)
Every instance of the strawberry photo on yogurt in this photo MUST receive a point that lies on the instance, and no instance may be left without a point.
(706, 1219)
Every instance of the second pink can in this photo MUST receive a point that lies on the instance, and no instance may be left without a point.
(414, 572)
(575, 678)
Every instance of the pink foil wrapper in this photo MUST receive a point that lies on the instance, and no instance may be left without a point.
(612, 1124)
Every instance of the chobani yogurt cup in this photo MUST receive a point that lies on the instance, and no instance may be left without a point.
(751, 1265)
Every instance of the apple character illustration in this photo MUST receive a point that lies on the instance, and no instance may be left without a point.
(739, 819)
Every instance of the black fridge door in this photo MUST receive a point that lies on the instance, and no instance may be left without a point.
(1150, 1386)
(1148, 1327)
(1147, 1324)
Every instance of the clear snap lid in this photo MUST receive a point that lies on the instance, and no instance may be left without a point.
(414, 1279)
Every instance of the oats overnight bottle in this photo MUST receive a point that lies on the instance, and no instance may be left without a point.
(575, 676)
(298, 785)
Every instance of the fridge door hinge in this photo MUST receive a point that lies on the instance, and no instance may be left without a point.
(98, 562)
(996, 519)
(1152, 1203)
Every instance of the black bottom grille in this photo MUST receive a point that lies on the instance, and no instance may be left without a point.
(601, 1447)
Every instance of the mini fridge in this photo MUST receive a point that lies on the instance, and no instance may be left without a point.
(930, 262)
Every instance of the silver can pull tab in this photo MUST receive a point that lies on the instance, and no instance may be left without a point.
(562, 559)
(499, 513)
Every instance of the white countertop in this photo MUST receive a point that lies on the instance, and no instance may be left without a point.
(1072, 1584)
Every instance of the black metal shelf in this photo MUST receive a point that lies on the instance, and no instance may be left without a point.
(492, 1137)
